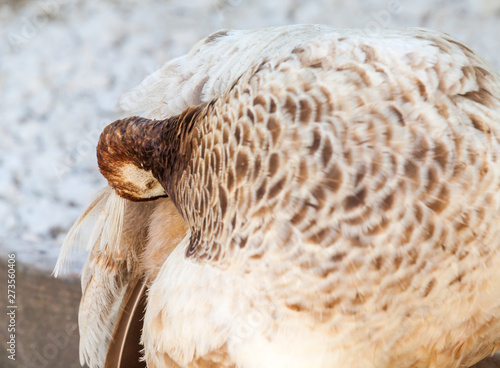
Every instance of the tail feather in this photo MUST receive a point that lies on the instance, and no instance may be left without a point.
(98, 314)
(114, 231)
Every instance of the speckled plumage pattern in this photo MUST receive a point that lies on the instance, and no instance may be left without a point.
(341, 195)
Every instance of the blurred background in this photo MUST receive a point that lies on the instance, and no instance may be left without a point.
(64, 65)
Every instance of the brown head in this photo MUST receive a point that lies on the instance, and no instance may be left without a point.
(138, 156)
(126, 155)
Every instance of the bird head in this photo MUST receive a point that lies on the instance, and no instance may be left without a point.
(126, 155)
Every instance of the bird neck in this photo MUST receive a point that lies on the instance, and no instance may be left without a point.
(174, 146)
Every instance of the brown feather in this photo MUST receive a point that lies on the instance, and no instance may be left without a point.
(124, 348)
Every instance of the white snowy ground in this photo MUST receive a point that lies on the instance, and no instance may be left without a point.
(64, 64)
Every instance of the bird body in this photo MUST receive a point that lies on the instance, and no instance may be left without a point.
(336, 201)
